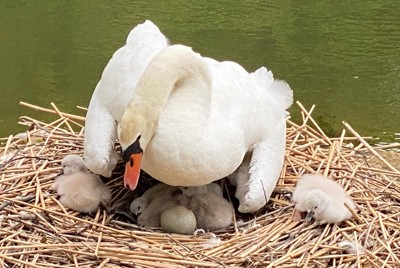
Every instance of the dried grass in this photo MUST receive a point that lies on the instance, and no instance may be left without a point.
(36, 231)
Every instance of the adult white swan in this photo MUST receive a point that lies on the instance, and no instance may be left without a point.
(188, 120)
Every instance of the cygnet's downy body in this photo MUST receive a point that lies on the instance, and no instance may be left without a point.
(208, 188)
(79, 190)
(322, 198)
(151, 215)
(140, 204)
(154, 202)
(212, 212)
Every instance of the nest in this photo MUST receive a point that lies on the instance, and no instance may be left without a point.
(37, 231)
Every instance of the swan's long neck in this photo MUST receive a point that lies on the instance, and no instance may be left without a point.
(173, 68)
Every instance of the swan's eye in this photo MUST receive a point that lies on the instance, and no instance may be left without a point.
(315, 207)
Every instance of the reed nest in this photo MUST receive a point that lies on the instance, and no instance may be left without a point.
(37, 231)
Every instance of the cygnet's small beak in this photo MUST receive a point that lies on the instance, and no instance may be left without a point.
(61, 172)
(309, 216)
(133, 158)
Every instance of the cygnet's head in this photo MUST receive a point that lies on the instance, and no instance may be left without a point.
(138, 205)
(72, 163)
(315, 202)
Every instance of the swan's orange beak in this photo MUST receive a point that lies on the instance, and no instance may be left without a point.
(132, 170)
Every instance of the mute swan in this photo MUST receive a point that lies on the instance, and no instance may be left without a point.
(112, 94)
(185, 119)
(78, 189)
(322, 199)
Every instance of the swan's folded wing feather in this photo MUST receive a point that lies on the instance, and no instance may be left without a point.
(99, 141)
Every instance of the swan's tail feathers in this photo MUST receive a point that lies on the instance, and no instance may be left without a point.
(280, 91)
(142, 30)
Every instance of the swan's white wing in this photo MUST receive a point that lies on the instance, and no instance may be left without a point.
(112, 93)
(99, 141)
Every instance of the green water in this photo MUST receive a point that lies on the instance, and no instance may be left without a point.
(343, 56)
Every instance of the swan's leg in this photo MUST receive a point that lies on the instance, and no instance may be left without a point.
(265, 167)
(99, 142)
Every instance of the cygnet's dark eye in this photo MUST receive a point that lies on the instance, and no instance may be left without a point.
(315, 207)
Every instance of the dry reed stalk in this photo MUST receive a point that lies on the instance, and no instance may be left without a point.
(38, 108)
(320, 131)
(372, 150)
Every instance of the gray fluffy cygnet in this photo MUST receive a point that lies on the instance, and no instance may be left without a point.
(158, 191)
(151, 215)
(165, 202)
(322, 198)
(212, 211)
(78, 189)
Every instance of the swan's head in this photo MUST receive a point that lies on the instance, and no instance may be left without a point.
(138, 205)
(134, 132)
(71, 164)
(315, 202)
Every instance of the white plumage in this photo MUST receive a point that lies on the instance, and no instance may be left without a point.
(194, 118)
(78, 189)
(322, 198)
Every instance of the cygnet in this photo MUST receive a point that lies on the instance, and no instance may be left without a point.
(322, 198)
(151, 215)
(178, 219)
(208, 188)
(78, 189)
(213, 212)
(139, 204)
(206, 202)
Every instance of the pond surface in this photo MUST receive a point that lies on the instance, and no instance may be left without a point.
(343, 56)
